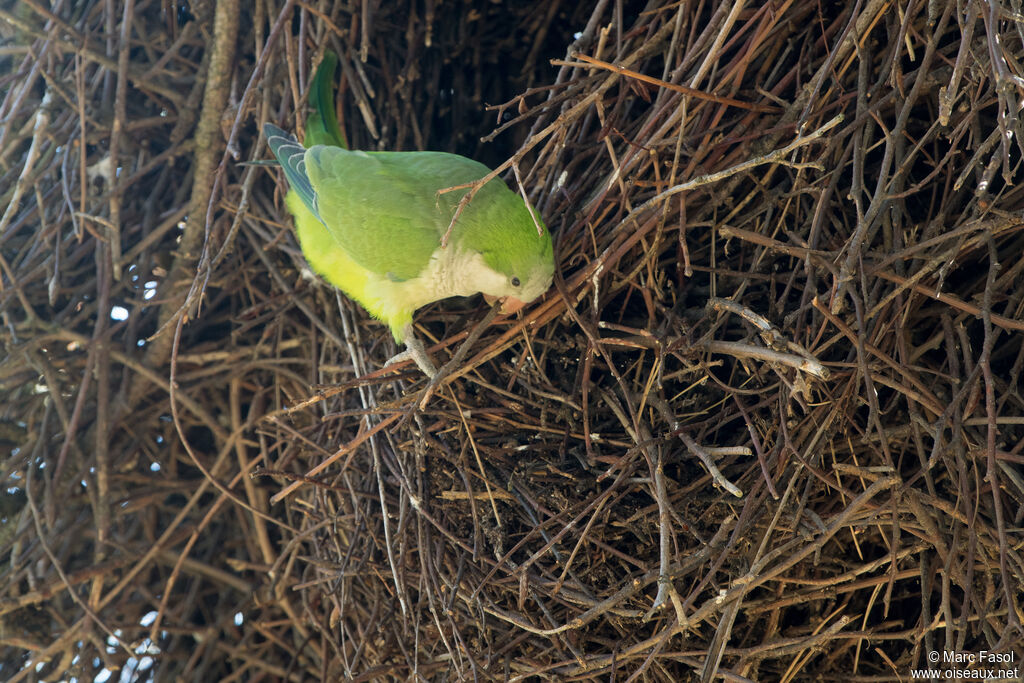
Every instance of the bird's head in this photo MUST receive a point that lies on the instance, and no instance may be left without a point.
(521, 267)
(512, 258)
(515, 291)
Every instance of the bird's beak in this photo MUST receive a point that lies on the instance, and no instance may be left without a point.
(509, 304)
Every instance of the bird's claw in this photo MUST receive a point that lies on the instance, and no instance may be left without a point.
(414, 350)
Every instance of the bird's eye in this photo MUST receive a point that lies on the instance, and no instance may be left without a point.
(515, 282)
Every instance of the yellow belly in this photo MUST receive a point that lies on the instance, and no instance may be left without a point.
(384, 299)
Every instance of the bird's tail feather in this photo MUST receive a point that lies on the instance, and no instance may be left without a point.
(321, 129)
(322, 125)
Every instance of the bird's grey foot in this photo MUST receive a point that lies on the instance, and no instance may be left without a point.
(415, 350)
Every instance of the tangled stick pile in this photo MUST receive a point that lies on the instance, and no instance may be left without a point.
(767, 425)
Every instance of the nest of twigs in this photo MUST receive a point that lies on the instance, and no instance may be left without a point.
(765, 426)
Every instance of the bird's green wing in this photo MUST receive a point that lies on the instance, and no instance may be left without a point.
(383, 207)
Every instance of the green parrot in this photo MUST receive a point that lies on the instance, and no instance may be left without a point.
(371, 224)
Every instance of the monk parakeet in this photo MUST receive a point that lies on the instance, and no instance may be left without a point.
(371, 223)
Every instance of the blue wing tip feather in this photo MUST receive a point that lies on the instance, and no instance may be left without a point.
(292, 156)
(270, 130)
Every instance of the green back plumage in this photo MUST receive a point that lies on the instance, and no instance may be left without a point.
(385, 209)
